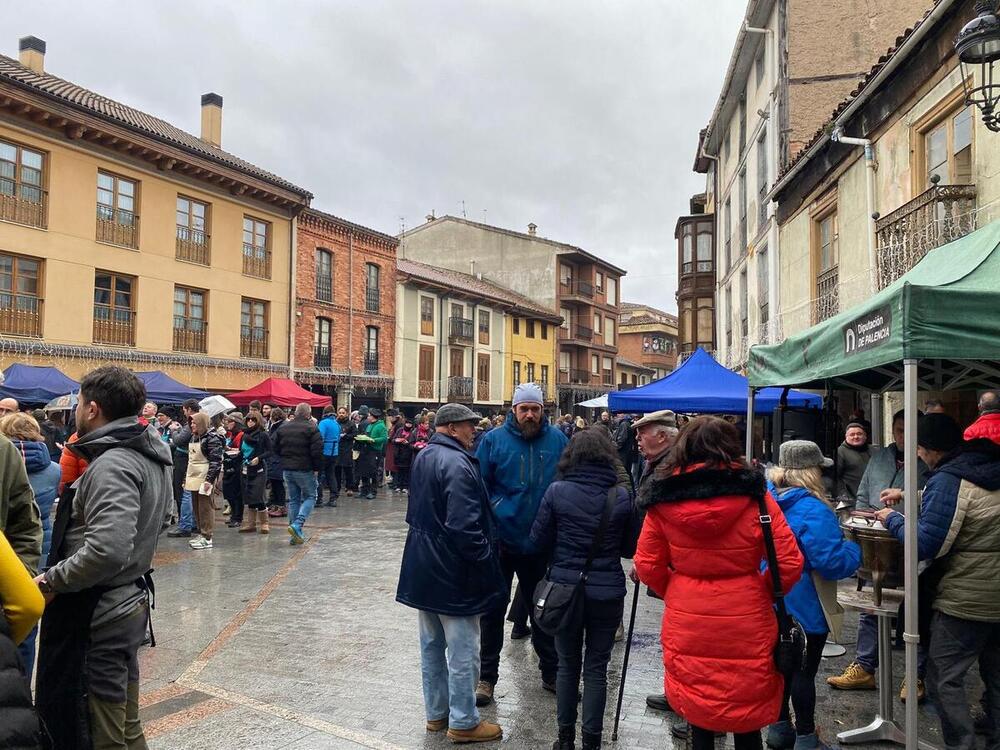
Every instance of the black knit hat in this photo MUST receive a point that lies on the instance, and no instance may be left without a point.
(938, 432)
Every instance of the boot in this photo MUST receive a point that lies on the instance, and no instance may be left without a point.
(781, 736)
(249, 525)
(262, 522)
(567, 739)
(590, 741)
(855, 677)
(486, 731)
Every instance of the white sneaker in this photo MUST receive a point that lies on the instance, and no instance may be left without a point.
(200, 543)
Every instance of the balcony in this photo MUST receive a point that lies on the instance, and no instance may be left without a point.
(117, 226)
(459, 389)
(578, 334)
(460, 330)
(324, 289)
(482, 390)
(192, 246)
(827, 303)
(371, 363)
(256, 261)
(190, 335)
(321, 356)
(27, 208)
(574, 376)
(576, 288)
(114, 326)
(935, 217)
(253, 342)
(425, 389)
(20, 315)
(372, 299)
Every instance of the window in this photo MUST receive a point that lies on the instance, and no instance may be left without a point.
(372, 297)
(565, 274)
(20, 303)
(564, 361)
(948, 149)
(517, 373)
(322, 330)
(597, 323)
(687, 248)
(529, 328)
(253, 329)
(727, 314)
(483, 377)
(531, 372)
(762, 185)
(704, 246)
(595, 364)
(829, 253)
(114, 316)
(599, 281)
(426, 316)
(612, 295)
(190, 324)
(743, 122)
(371, 349)
(256, 248)
(759, 63)
(192, 231)
(726, 147)
(517, 326)
(484, 326)
(324, 275)
(744, 301)
(566, 317)
(609, 331)
(744, 199)
(545, 330)
(608, 373)
(763, 298)
(826, 253)
(425, 372)
(22, 194)
(117, 221)
(544, 379)
(727, 231)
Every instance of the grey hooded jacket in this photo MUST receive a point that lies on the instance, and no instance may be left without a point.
(118, 511)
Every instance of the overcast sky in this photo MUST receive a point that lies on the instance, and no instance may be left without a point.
(580, 116)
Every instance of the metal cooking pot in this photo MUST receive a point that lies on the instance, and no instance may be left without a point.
(881, 558)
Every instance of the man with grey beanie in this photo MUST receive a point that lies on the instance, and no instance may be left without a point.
(518, 462)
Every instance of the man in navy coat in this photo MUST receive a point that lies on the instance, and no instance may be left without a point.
(451, 573)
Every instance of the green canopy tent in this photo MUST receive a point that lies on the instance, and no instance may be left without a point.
(937, 327)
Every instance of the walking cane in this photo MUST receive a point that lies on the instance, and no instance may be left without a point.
(628, 649)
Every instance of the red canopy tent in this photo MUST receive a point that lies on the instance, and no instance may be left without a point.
(279, 392)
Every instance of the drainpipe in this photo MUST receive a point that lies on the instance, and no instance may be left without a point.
(293, 235)
(870, 166)
(350, 320)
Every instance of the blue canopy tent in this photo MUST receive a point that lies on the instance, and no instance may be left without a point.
(35, 385)
(163, 389)
(703, 386)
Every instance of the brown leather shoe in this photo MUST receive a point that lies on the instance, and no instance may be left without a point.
(484, 694)
(437, 725)
(485, 732)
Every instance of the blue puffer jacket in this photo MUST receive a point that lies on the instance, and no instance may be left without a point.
(517, 472)
(43, 476)
(568, 519)
(450, 562)
(329, 429)
(824, 548)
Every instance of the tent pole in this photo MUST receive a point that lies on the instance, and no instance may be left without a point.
(751, 391)
(911, 636)
(876, 420)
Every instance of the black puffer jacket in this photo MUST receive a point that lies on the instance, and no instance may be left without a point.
(20, 728)
(299, 445)
(345, 455)
(568, 519)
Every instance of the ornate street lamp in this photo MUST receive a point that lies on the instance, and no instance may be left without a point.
(978, 47)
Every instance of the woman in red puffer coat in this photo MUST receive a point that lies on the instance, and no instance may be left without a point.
(701, 550)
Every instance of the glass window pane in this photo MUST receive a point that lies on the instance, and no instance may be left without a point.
(105, 197)
(937, 152)
(8, 151)
(105, 181)
(7, 169)
(102, 281)
(31, 159)
(31, 176)
(126, 188)
(198, 209)
(963, 129)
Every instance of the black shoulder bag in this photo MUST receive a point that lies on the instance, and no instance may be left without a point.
(790, 650)
(559, 605)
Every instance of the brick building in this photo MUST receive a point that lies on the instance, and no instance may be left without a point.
(345, 307)
(647, 337)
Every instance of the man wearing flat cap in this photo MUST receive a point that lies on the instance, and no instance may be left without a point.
(451, 573)
(959, 528)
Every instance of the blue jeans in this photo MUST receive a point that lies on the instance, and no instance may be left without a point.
(301, 489)
(186, 521)
(27, 652)
(868, 646)
(450, 681)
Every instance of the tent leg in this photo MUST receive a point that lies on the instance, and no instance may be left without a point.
(751, 391)
(876, 420)
(911, 507)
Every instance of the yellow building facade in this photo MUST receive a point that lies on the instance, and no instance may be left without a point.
(126, 240)
(531, 354)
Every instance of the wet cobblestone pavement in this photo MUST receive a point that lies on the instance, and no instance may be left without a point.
(261, 645)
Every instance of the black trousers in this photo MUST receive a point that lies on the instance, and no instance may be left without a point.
(704, 739)
(403, 477)
(277, 490)
(800, 690)
(329, 478)
(345, 477)
(530, 570)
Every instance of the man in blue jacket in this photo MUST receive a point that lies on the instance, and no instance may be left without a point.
(518, 461)
(450, 573)
(329, 430)
(959, 529)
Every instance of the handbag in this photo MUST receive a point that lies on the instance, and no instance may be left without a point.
(790, 650)
(558, 605)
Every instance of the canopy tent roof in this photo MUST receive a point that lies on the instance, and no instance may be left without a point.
(601, 402)
(35, 385)
(944, 312)
(163, 389)
(279, 392)
(703, 386)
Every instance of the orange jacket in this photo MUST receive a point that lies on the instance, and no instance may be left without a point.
(71, 464)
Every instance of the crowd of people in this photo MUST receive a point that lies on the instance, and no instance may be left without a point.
(720, 540)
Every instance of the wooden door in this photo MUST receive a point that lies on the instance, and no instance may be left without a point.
(483, 378)
(425, 376)
(457, 368)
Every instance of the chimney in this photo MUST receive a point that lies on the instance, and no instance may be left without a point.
(532, 229)
(430, 217)
(31, 53)
(211, 119)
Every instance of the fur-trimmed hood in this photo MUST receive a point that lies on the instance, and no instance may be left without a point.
(700, 484)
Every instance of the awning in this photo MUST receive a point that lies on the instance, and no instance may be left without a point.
(35, 385)
(163, 389)
(945, 311)
(279, 392)
(703, 386)
(601, 402)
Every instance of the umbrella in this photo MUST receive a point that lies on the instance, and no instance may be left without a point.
(63, 403)
(212, 405)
